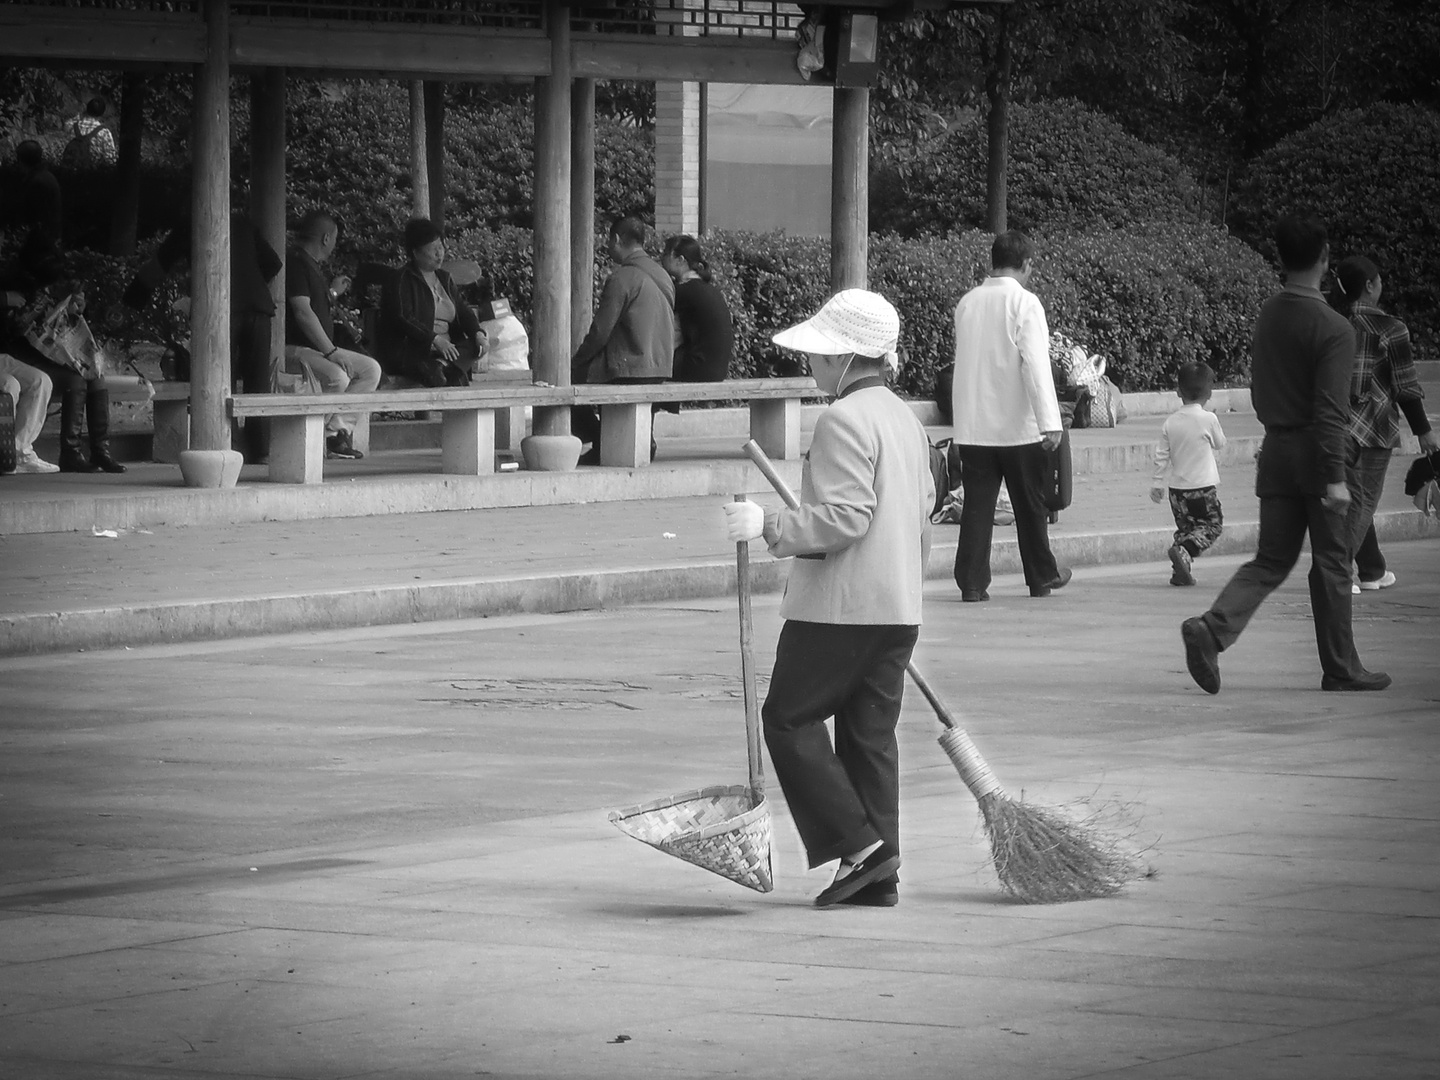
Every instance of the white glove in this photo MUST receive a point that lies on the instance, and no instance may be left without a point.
(743, 521)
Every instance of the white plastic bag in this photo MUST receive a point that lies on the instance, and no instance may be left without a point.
(507, 346)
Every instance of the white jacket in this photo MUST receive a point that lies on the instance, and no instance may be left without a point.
(866, 491)
(1004, 393)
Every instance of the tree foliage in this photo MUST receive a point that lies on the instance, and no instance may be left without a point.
(1070, 168)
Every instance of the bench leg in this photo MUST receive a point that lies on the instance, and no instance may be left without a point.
(625, 435)
(172, 430)
(297, 449)
(360, 433)
(467, 442)
(775, 425)
(509, 428)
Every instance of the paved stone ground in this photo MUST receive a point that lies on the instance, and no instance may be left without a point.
(383, 853)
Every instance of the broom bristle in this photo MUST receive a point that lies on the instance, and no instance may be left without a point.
(1043, 856)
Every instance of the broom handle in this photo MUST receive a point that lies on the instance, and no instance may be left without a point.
(747, 667)
(763, 463)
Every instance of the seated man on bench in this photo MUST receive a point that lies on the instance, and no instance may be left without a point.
(310, 327)
(632, 337)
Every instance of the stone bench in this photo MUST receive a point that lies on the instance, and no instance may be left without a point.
(626, 410)
(468, 434)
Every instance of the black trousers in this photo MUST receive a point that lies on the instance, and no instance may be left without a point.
(1290, 509)
(84, 405)
(1024, 469)
(846, 796)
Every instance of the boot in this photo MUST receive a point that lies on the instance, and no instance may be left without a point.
(97, 419)
(72, 410)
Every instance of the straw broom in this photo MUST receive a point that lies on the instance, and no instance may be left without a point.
(1041, 854)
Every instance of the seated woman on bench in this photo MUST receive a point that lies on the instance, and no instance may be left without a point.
(427, 333)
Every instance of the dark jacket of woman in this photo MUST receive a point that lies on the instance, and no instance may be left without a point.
(407, 320)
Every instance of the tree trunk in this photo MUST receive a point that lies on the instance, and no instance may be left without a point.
(125, 210)
(419, 166)
(435, 149)
(997, 126)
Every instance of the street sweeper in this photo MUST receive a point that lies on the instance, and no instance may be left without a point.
(860, 537)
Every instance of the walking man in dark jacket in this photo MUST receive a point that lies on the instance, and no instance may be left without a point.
(632, 337)
(1302, 353)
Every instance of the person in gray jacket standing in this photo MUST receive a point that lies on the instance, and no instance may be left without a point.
(632, 337)
(860, 538)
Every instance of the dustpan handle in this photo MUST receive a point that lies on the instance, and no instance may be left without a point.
(747, 666)
(767, 469)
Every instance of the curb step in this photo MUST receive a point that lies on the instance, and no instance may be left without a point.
(216, 619)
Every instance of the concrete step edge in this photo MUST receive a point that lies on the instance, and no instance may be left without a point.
(220, 618)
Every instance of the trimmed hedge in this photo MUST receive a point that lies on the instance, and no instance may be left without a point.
(1373, 176)
(1069, 168)
(1148, 297)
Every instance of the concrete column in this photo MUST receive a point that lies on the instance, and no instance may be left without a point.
(850, 190)
(551, 339)
(582, 208)
(210, 249)
(267, 189)
(677, 158)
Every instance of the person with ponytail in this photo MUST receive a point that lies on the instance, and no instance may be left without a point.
(704, 332)
(1383, 385)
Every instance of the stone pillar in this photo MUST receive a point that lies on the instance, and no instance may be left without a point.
(551, 315)
(582, 208)
(210, 248)
(850, 189)
(677, 158)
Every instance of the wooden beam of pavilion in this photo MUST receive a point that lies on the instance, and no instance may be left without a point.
(41, 34)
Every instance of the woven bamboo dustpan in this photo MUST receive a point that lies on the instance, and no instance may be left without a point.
(723, 829)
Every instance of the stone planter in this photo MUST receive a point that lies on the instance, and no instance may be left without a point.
(550, 453)
(211, 468)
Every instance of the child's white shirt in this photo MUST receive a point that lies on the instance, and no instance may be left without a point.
(1189, 440)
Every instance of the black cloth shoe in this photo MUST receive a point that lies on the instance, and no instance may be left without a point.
(974, 597)
(876, 894)
(882, 862)
(590, 457)
(1202, 655)
(1061, 580)
(338, 446)
(102, 460)
(1366, 680)
(77, 463)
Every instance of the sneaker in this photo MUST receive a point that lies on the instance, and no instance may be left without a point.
(27, 461)
(1180, 562)
(338, 446)
(1384, 581)
(1354, 588)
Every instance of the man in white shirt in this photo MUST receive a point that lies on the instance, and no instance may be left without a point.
(1007, 418)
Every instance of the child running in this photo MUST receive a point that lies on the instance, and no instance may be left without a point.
(1186, 451)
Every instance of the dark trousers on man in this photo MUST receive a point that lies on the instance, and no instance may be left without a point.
(1287, 482)
(250, 368)
(1024, 470)
(846, 796)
